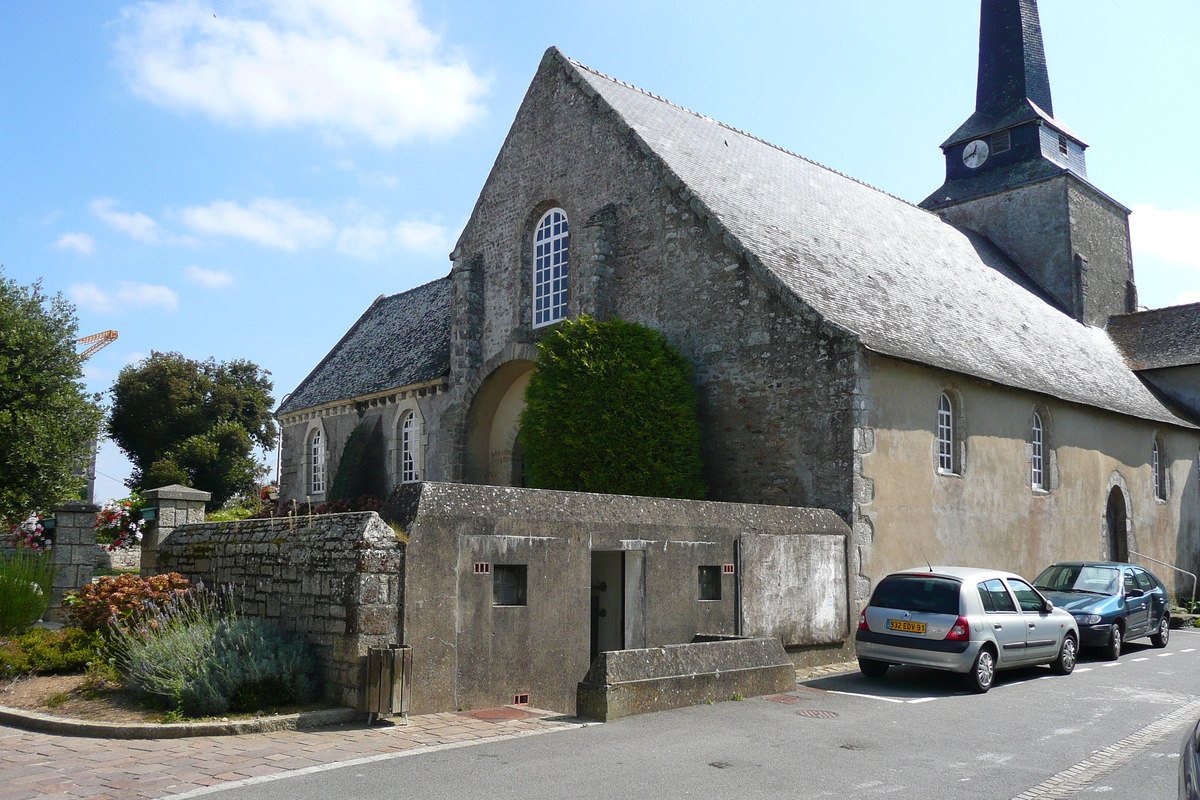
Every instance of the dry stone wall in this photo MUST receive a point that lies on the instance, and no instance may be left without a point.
(336, 579)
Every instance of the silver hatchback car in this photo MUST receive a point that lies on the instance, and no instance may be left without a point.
(966, 620)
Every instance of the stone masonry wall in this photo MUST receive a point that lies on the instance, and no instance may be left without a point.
(337, 580)
(776, 382)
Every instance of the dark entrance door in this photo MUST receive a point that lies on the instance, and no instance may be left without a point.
(1118, 529)
(608, 601)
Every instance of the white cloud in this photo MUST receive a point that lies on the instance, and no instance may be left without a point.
(79, 242)
(274, 223)
(1171, 234)
(137, 225)
(370, 240)
(367, 67)
(126, 295)
(208, 278)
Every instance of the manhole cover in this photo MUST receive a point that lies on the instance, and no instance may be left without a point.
(497, 714)
(816, 713)
(786, 699)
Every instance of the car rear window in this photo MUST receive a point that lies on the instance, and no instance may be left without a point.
(918, 593)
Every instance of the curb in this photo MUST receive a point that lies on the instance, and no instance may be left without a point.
(63, 726)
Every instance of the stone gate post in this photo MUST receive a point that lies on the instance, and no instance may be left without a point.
(74, 550)
(176, 505)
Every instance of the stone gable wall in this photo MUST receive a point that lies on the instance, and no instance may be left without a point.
(776, 382)
(336, 579)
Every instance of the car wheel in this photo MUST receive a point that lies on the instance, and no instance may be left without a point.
(1065, 663)
(1112, 650)
(983, 672)
(871, 668)
(1163, 635)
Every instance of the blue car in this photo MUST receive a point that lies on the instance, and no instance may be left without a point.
(1112, 602)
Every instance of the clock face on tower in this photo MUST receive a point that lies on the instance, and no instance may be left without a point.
(975, 154)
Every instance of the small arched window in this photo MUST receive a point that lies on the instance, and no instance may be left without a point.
(550, 249)
(1158, 467)
(945, 435)
(316, 462)
(1038, 472)
(409, 435)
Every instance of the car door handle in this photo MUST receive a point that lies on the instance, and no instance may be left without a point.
(998, 627)
(1032, 626)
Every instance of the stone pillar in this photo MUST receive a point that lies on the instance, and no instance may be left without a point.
(74, 550)
(177, 505)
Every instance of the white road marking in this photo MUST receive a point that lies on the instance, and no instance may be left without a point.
(1164, 655)
(871, 696)
(1114, 664)
(1143, 658)
(921, 700)
(1188, 650)
(1083, 669)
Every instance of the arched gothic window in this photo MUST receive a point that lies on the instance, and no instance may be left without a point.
(1158, 467)
(550, 240)
(409, 437)
(945, 435)
(316, 462)
(1038, 471)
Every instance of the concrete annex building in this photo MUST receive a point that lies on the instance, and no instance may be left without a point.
(969, 378)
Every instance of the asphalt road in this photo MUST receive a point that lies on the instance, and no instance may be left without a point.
(1112, 728)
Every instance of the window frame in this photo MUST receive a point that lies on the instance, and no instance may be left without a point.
(713, 583)
(519, 586)
(946, 461)
(551, 287)
(317, 477)
(409, 444)
(1037, 471)
(1157, 467)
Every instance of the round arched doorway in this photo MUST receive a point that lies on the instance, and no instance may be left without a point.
(493, 455)
(1116, 519)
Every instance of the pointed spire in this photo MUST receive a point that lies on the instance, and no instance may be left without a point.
(1012, 59)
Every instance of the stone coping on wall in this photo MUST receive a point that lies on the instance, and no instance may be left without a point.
(64, 726)
(622, 683)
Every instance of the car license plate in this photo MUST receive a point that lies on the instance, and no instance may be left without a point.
(906, 626)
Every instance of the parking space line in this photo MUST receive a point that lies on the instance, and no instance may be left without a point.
(1143, 658)
(1164, 655)
(1114, 664)
(1083, 669)
(1189, 650)
(921, 700)
(878, 697)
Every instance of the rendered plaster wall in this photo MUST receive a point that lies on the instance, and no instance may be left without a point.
(776, 384)
(469, 652)
(989, 515)
(337, 580)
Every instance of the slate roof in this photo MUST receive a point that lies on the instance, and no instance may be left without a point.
(1165, 337)
(899, 278)
(400, 340)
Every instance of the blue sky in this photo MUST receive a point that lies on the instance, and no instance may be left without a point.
(241, 179)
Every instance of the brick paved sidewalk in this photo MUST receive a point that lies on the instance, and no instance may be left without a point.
(35, 765)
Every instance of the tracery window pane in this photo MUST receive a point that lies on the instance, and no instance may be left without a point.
(408, 449)
(316, 463)
(945, 435)
(1038, 478)
(550, 268)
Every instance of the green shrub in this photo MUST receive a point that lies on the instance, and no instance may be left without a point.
(199, 658)
(26, 577)
(612, 407)
(121, 598)
(49, 652)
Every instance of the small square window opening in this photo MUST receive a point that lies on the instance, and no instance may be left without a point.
(710, 583)
(508, 584)
(483, 568)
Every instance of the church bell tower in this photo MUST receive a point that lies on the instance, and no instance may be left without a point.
(1018, 175)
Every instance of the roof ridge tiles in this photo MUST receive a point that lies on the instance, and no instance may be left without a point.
(738, 131)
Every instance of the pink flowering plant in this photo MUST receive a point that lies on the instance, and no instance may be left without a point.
(119, 523)
(29, 532)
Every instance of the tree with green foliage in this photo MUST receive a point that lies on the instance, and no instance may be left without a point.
(612, 407)
(194, 423)
(48, 421)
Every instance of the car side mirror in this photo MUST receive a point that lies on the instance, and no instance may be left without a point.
(1048, 606)
(1134, 593)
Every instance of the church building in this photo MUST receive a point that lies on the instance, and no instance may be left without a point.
(968, 380)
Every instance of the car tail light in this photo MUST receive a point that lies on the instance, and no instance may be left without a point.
(960, 631)
(862, 621)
